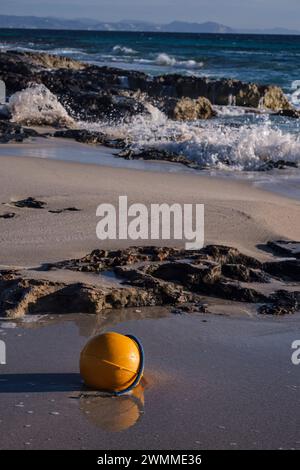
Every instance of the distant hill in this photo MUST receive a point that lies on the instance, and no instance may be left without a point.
(208, 27)
(35, 22)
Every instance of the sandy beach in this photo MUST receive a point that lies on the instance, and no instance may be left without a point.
(236, 213)
(208, 378)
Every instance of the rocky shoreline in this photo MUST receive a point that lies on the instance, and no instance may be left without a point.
(74, 90)
(150, 276)
(94, 92)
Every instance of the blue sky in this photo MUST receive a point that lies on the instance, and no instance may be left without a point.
(236, 13)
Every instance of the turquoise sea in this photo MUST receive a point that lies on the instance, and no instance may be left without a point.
(263, 58)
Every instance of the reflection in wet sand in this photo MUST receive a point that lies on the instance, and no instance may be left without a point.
(90, 324)
(114, 414)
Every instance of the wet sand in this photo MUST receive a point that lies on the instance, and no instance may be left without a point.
(212, 382)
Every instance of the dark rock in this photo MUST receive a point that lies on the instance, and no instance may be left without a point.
(240, 272)
(290, 113)
(10, 132)
(277, 164)
(287, 297)
(275, 309)
(285, 247)
(156, 154)
(7, 215)
(287, 270)
(81, 135)
(15, 71)
(229, 255)
(190, 308)
(101, 105)
(283, 303)
(29, 202)
(65, 209)
(90, 137)
(234, 291)
(190, 275)
(115, 143)
(4, 112)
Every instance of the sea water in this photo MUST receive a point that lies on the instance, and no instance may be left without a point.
(235, 140)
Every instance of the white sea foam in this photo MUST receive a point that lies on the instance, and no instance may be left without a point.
(218, 143)
(230, 110)
(164, 59)
(294, 97)
(210, 143)
(66, 51)
(124, 50)
(36, 105)
(295, 85)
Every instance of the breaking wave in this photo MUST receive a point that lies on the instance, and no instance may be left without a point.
(124, 50)
(212, 144)
(36, 105)
(164, 59)
(232, 141)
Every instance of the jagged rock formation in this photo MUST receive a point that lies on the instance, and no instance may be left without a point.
(187, 109)
(106, 92)
(150, 276)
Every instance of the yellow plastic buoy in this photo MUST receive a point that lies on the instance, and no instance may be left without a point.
(112, 362)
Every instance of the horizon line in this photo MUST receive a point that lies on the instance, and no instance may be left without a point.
(235, 29)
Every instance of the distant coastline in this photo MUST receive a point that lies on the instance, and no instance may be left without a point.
(208, 27)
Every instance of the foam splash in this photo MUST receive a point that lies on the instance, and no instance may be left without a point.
(295, 95)
(217, 143)
(232, 111)
(164, 59)
(212, 144)
(36, 105)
